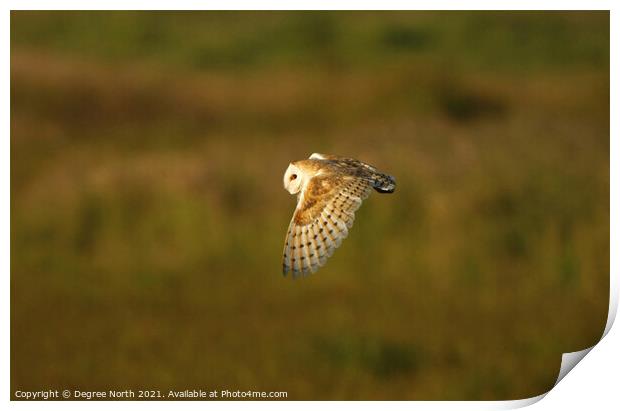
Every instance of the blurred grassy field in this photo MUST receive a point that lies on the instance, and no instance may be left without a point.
(148, 214)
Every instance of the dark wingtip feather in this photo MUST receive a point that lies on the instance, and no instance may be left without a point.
(385, 184)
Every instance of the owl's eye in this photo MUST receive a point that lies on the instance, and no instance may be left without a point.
(293, 176)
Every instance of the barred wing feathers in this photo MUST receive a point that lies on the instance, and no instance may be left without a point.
(325, 212)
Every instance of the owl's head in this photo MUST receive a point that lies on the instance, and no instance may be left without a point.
(293, 179)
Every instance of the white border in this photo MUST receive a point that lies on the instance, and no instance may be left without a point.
(598, 374)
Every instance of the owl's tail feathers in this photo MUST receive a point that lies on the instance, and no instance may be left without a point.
(383, 183)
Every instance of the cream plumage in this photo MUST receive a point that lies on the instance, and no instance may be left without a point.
(329, 190)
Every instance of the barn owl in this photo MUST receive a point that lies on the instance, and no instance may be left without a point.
(329, 190)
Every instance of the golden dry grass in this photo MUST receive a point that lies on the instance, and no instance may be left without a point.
(147, 214)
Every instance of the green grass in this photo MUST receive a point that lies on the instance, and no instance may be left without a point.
(242, 40)
(147, 212)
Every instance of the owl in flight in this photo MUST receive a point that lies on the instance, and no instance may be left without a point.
(329, 190)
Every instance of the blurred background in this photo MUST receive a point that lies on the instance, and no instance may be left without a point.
(148, 214)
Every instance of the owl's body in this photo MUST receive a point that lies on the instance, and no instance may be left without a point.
(329, 190)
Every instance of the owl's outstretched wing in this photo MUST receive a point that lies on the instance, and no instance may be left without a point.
(383, 183)
(324, 214)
